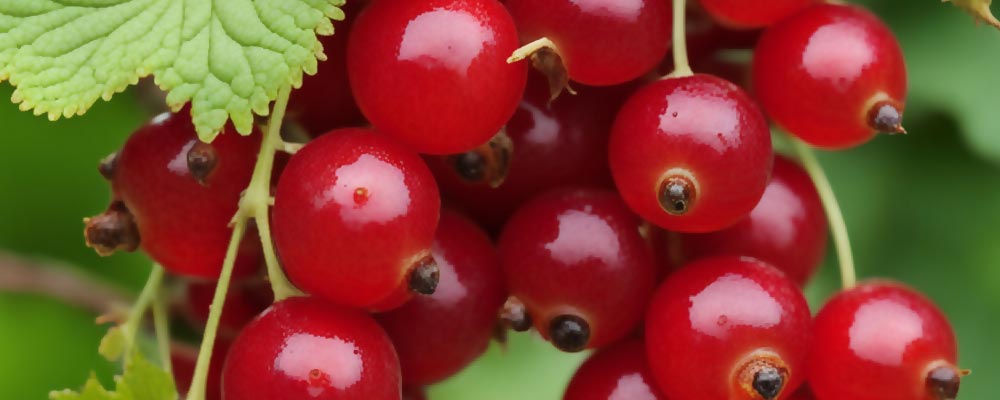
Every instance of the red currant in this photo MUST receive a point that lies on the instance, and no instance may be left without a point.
(617, 372)
(691, 154)
(752, 13)
(787, 228)
(438, 335)
(354, 218)
(433, 73)
(804, 393)
(728, 328)
(246, 298)
(180, 194)
(832, 75)
(555, 145)
(577, 262)
(304, 348)
(601, 42)
(882, 340)
(325, 100)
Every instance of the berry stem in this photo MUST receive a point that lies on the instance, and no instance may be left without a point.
(527, 50)
(682, 67)
(152, 288)
(838, 227)
(200, 378)
(161, 326)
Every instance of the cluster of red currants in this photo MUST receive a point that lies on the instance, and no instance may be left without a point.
(645, 217)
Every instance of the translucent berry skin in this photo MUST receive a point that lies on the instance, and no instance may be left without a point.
(434, 74)
(578, 252)
(601, 42)
(246, 298)
(820, 72)
(752, 13)
(354, 213)
(305, 348)
(562, 144)
(878, 340)
(184, 224)
(787, 228)
(617, 372)
(709, 318)
(699, 128)
(438, 335)
(325, 101)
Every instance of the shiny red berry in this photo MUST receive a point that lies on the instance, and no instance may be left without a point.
(691, 154)
(325, 100)
(354, 218)
(752, 13)
(577, 262)
(728, 328)
(305, 348)
(832, 75)
(438, 335)
(617, 372)
(181, 194)
(600, 42)
(433, 73)
(882, 340)
(787, 228)
(551, 145)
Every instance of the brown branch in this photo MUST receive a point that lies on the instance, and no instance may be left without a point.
(62, 282)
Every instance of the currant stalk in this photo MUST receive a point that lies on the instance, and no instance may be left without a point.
(149, 292)
(682, 67)
(161, 326)
(838, 227)
(254, 205)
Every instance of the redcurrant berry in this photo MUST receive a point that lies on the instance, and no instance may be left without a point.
(752, 13)
(600, 42)
(180, 193)
(555, 145)
(354, 218)
(832, 75)
(438, 335)
(617, 372)
(691, 154)
(787, 228)
(882, 340)
(433, 73)
(728, 328)
(577, 262)
(304, 348)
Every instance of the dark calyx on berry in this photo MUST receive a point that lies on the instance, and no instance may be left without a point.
(569, 333)
(425, 276)
(886, 117)
(515, 315)
(201, 161)
(112, 230)
(943, 382)
(108, 166)
(676, 195)
(488, 163)
(768, 382)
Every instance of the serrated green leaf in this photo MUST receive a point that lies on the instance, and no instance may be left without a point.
(978, 8)
(227, 57)
(142, 380)
(112, 344)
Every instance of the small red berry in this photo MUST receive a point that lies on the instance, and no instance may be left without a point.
(752, 13)
(616, 372)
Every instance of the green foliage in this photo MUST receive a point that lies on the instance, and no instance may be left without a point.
(142, 380)
(228, 57)
(113, 344)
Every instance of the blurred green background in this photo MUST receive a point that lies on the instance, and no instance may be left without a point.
(924, 209)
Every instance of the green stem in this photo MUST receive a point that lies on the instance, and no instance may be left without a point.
(682, 67)
(131, 326)
(848, 276)
(200, 379)
(161, 325)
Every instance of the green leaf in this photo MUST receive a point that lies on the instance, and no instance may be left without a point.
(227, 57)
(142, 380)
(978, 8)
(112, 344)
